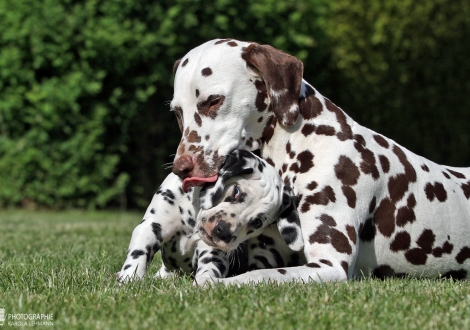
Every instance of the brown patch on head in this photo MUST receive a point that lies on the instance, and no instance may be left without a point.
(381, 141)
(346, 131)
(435, 190)
(282, 74)
(232, 44)
(197, 119)
(221, 41)
(346, 171)
(181, 149)
(385, 163)
(260, 101)
(401, 242)
(197, 92)
(210, 106)
(185, 62)
(193, 137)
(206, 72)
(384, 217)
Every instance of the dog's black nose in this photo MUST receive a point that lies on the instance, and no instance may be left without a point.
(222, 231)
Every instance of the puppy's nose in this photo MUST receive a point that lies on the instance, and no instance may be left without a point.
(182, 166)
(222, 231)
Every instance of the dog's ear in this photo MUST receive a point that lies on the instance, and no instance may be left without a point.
(236, 163)
(289, 221)
(282, 74)
(175, 66)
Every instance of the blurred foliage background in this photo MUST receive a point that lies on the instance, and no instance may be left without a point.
(85, 84)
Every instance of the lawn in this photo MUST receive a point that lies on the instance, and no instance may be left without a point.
(63, 263)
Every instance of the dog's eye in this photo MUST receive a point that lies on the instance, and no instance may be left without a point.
(236, 193)
(214, 102)
(257, 223)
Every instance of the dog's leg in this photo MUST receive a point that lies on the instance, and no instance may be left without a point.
(212, 263)
(162, 220)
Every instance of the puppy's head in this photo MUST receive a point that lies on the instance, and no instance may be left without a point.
(248, 196)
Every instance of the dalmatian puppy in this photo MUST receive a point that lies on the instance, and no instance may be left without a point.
(169, 224)
(366, 204)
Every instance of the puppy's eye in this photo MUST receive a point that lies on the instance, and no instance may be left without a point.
(214, 102)
(257, 223)
(236, 193)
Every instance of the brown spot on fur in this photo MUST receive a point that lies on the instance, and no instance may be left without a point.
(282, 271)
(310, 107)
(350, 195)
(446, 248)
(411, 201)
(351, 233)
(466, 189)
(401, 242)
(312, 185)
(458, 175)
(269, 129)
(327, 220)
(206, 72)
(384, 217)
(308, 129)
(323, 197)
(405, 215)
(185, 62)
(326, 262)
(385, 163)
(313, 265)
(409, 169)
(193, 137)
(232, 44)
(260, 119)
(381, 141)
(463, 255)
(306, 161)
(397, 187)
(325, 130)
(426, 240)
(416, 256)
(221, 41)
(425, 168)
(372, 204)
(197, 119)
(197, 92)
(261, 95)
(181, 149)
(368, 160)
(346, 171)
(437, 190)
(346, 131)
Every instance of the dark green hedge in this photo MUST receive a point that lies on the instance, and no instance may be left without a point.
(84, 85)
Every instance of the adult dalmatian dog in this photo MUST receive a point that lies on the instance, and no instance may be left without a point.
(250, 194)
(366, 204)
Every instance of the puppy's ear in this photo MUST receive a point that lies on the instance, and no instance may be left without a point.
(237, 163)
(289, 221)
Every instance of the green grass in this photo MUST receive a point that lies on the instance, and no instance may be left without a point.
(64, 263)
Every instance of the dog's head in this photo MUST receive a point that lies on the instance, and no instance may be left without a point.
(248, 196)
(229, 95)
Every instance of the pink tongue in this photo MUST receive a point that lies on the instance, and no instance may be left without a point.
(195, 181)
